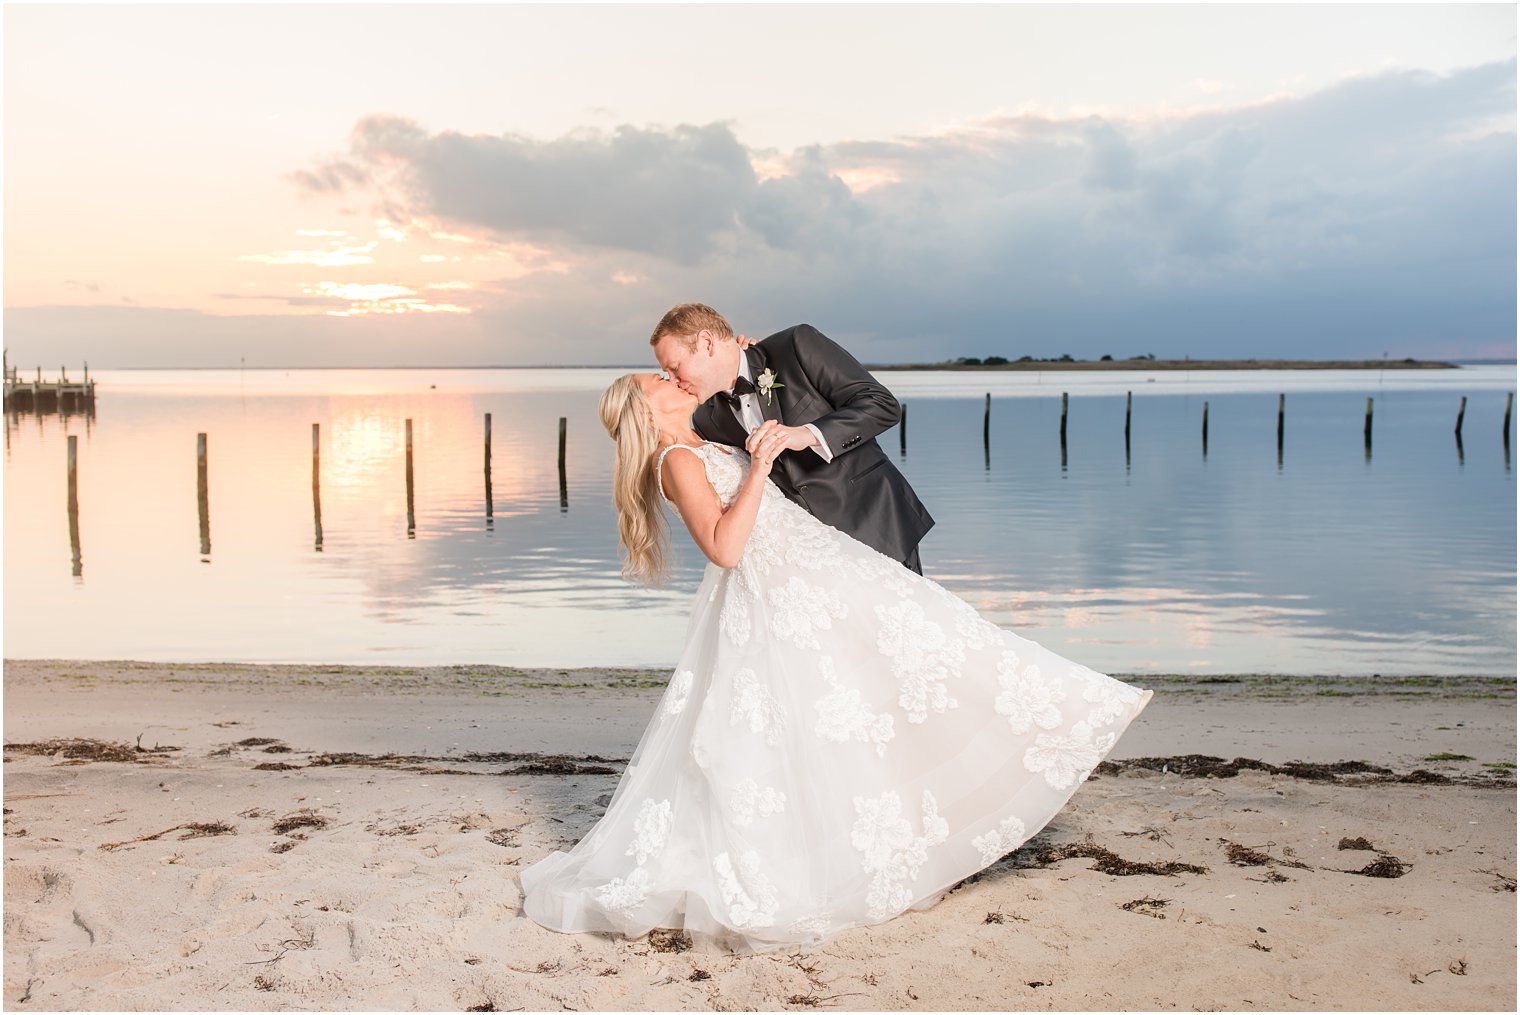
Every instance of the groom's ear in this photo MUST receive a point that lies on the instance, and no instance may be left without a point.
(706, 343)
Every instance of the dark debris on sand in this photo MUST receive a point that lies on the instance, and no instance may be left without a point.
(528, 763)
(304, 818)
(1385, 866)
(193, 830)
(1245, 856)
(1147, 906)
(1105, 860)
(670, 940)
(78, 750)
(1205, 766)
(1357, 843)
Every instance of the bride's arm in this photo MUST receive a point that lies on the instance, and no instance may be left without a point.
(719, 534)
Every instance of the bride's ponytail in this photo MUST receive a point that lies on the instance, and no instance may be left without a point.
(642, 533)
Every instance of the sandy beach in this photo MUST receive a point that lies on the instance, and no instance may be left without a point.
(290, 837)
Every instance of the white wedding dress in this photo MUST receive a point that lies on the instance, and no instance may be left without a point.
(841, 740)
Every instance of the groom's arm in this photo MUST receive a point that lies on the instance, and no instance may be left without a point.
(862, 406)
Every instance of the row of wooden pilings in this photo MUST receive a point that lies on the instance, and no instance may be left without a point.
(411, 509)
(1282, 403)
(202, 484)
(203, 488)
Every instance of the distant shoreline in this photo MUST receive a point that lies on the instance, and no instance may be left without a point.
(1179, 364)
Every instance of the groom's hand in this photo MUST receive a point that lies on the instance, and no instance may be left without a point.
(787, 438)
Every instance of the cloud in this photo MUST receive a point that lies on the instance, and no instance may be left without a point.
(1376, 214)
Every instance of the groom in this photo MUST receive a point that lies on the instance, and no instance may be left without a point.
(827, 406)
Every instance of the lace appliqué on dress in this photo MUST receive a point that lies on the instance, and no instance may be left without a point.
(750, 800)
(679, 691)
(922, 658)
(844, 716)
(1002, 840)
(750, 895)
(1066, 761)
(1028, 699)
(890, 852)
(755, 707)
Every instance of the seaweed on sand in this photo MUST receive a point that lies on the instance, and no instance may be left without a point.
(80, 749)
(1105, 860)
(193, 830)
(669, 940)
(1245, 856)
(1385, 866)
(304, 818)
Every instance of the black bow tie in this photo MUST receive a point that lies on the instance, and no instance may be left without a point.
(742, 386)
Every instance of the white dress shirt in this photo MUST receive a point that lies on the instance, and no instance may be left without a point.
(750, 415)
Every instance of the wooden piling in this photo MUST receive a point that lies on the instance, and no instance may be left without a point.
(77, 559)
(1129, 397)
(1205, 429)
(1282, 401)
(316, 482)
(987, 422)
(203, 494)
(1509, 407)
(490, 507)
(1367, 426)
(1063, 418)
(411, 511)
(1461, 412)
(564, 489)
(902, 431)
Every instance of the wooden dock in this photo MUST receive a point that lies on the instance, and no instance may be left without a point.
(39, 396)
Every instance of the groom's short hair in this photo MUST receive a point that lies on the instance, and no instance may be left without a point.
(687, 319)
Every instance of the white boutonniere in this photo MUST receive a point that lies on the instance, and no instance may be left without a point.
(766, 384)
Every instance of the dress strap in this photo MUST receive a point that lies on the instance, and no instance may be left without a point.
(659, 464)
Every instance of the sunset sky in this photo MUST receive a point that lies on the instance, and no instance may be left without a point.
(374, 185)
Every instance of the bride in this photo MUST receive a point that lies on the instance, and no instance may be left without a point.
(841, 740)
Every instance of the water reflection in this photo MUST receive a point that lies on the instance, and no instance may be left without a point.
(1129, 557)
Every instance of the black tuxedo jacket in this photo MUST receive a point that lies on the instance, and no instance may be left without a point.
(860, 491)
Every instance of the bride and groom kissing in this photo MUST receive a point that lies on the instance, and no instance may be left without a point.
(820, 401)
(841, 739)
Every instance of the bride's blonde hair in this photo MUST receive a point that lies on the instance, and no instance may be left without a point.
(642, 533)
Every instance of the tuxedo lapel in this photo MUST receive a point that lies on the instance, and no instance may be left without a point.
(716, 423)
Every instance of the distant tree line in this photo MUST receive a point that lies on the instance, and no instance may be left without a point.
(997, 361)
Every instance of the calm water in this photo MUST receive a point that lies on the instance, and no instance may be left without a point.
(1328, 561)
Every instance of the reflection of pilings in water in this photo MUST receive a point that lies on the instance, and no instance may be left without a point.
(316, 482)
(490, 506)
(74, 506)
(1367, 429)
(202, 495)
(411, 514)
(1461, 412)
(1205, 430)
(1282, 401)
(1063, 431)
(564, 490)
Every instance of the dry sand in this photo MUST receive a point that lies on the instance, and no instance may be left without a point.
(380, 871)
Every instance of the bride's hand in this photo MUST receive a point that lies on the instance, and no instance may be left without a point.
(744, 341)
(764, 452)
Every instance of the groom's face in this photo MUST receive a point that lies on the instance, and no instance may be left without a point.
(701, 367)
